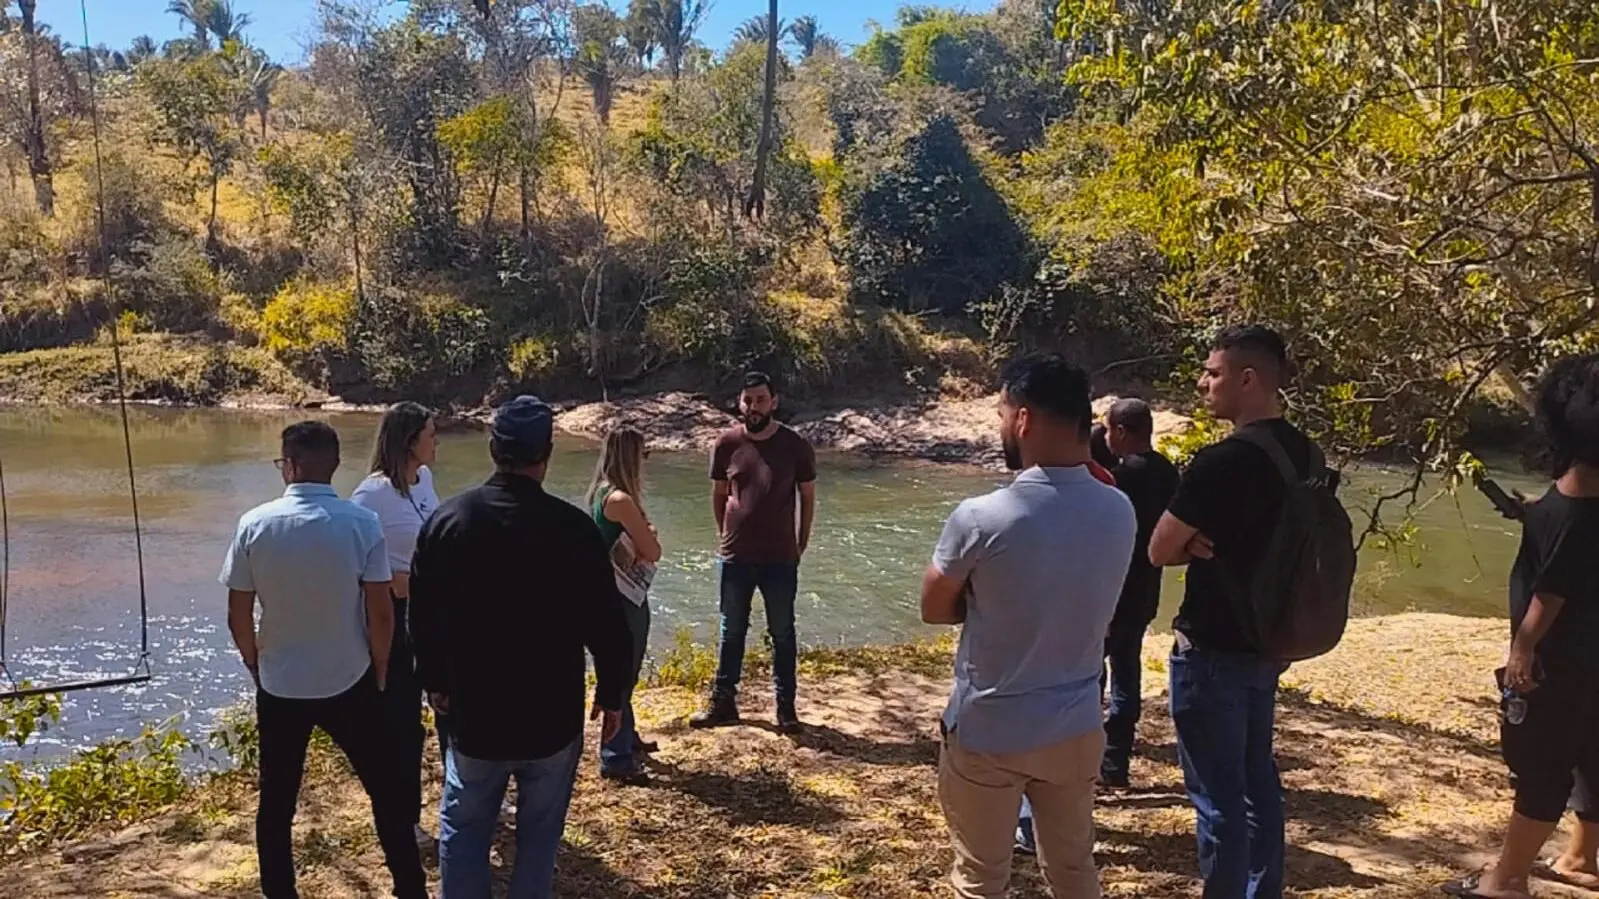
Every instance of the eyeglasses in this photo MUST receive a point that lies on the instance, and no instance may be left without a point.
(279, 463)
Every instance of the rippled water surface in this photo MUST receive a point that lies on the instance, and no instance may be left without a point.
(74, 593)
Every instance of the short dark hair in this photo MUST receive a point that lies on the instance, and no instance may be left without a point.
(1568, 412)
(314, 447)
(1133, 414)
(754, 379)
(1049, 384)
(1099, 449)
(513, 454)
(1262, 348)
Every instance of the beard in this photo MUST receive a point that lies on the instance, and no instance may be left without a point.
(756, 422)
(1013, 451)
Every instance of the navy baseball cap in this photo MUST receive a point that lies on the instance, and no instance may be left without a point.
(526, 421)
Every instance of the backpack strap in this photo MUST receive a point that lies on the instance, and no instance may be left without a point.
(1268, 443)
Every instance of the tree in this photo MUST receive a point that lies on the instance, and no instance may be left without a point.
(755, 204)
(930, 232)
(259, 76)
(223, 22)
(600, 54)
(197, 14)
(809, 39)
(640, 30)
(195, 103)
(142, 48)
(33, 139)
(676, 23)
(1411, 191)
(758, 30)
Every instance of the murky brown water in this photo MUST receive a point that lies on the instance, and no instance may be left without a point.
(74, 588)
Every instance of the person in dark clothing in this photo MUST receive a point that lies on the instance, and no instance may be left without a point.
(509, 585)
(1549, 687)
(1150, 480)
(1223, 692)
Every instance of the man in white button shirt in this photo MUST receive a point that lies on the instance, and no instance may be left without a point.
(319, 568)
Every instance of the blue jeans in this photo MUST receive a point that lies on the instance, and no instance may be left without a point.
(1223, 705)
(779, 584)
(617, 755)
(1124, 647)
(473, 791)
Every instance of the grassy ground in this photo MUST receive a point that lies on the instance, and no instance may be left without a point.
(157, 367)
(1387, 749)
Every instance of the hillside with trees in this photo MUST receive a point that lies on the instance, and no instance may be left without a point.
(477, 198)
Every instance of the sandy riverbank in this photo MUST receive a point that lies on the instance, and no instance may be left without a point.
(1387, 748)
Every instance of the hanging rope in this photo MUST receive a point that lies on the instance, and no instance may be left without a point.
(116, 340)
(141, 671)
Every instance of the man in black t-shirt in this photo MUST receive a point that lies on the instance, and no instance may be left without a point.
(1550, 682)
(1224, 694)
(1150, 480)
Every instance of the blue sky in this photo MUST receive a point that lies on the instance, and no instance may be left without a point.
(281, 26)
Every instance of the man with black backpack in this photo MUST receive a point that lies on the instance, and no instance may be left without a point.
(1270, 559)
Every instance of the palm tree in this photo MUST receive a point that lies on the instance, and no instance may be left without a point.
(142, 48)
(197, 13)
(756, 31)
(676, 22)
(600, 56)
(226, 24)
(639, 29)
(755, 206)
(259, 75)
(810, 40)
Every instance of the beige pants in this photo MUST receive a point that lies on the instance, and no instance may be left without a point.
(982, 794)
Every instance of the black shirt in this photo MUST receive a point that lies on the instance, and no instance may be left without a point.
(508, 586)
(1150, 481)
(1232, 493)
(1558, 558)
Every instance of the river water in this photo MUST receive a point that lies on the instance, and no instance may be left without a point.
(74, 594)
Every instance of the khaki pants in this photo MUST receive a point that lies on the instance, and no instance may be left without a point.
(982, 794)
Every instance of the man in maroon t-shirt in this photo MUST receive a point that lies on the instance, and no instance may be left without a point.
(763, 477)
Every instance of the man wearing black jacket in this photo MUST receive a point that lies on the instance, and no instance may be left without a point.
(509, 585)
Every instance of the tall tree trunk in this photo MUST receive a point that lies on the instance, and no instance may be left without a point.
(212, 245)
(263, 112)
(494, 196)
(44, 192)
(355, 247)
(524, 186)
(755, 205)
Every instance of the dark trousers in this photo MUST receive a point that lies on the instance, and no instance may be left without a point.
(1124, 646)
(779, 585)
(618, 755)
(402, 706)
(355, 720)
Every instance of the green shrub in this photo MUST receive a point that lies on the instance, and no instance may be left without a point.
(430, 347)
(114, 783)
(929, 232)
(307, 321)
(171, 283)
(686, 664)
(532, 358)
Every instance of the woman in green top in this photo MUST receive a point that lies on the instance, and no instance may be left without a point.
(615, 498)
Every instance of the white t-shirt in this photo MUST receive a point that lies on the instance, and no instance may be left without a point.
(401, 516)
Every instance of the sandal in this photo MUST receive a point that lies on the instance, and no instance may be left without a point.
(1466, 888)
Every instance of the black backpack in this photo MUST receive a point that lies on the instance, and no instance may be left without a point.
(1297, 604)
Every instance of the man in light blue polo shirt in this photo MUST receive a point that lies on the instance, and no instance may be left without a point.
(1033, 572)
(319, 568)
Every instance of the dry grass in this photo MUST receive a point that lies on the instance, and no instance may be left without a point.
(1386, 748)
(157, 367)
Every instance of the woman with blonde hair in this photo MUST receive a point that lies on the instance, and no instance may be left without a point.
(399, 489)
(616, 500)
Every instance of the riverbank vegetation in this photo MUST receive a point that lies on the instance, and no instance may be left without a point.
(1387, 747)
(576, 200)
